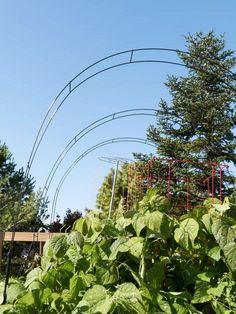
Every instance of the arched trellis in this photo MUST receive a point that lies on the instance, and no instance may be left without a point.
(89, 128)
(131, 57)
(74, 83)
(84, 154)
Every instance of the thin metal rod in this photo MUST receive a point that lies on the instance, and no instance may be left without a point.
(213, 182)
(220, 183)
(113, 189)
(169, 177)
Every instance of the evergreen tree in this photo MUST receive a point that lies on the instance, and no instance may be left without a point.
(17, 204)
(198, 124)
(67, 223)
(127, 191)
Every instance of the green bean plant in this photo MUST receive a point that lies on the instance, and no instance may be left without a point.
(141, 261)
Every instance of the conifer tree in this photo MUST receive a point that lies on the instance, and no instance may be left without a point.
(126, 189)
(18, 205)
(199, 122)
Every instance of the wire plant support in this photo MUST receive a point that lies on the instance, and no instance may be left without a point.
(89, 128)
(128, 57)
(84, 154)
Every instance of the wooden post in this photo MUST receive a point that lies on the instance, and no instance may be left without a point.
(41, 248)
(1, 246)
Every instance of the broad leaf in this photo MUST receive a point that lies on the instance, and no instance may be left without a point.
(200, 294)
(133, 245)
(214, 253)
(59, 245)
(34, 275)
(159, 223)
(186, 233)
(230, 255)
(14, 290)
(217, 291)
(76, 238)
(98, 299)
(128, 298)
(224, 231)
(106, 273)
(139, 223)
(206, 219)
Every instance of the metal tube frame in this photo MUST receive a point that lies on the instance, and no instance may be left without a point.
(84, 154)
(89, 128)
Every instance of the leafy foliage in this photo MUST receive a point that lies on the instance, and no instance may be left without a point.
(67, 222)
(125, 189)
(18, 205)
(144, 261)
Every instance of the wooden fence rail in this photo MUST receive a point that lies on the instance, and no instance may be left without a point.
(40, 237)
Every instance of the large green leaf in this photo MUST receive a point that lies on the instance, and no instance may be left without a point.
(14, 290)
(218, 290)
(133, 245)
(81, 226)
(73, 254)
(159, 223)
(139, 223)
(76, 285)
(31, 298)
(88, 225)
(98, 299)
(136, 246)
(160, 203)
(206, 219)
(106, 273)
(128, 298)
(33, 275)
(166, 227)
(186, 233)
(122, 223)
(59, 245)
(163, 304)
(116, 246)
(224, 230)
(222, 208)
(214, 253)
(200, 293)
(49, 278)
(230, 255)
(76, 238)
(153, 221)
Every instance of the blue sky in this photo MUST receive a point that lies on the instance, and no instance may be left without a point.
(46, 43)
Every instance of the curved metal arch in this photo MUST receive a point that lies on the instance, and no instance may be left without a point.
(84, 154)
(69, 88)
(89, 128)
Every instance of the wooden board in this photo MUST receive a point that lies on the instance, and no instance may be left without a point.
(27, 236)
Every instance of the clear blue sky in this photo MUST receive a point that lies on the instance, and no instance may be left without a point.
(46, 43)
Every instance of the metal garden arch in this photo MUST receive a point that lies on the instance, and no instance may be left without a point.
(88, 151)
(130, 56)
(89, 128)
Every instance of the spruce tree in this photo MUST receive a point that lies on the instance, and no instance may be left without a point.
(199, 123)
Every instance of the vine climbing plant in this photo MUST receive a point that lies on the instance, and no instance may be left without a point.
(142, 261)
